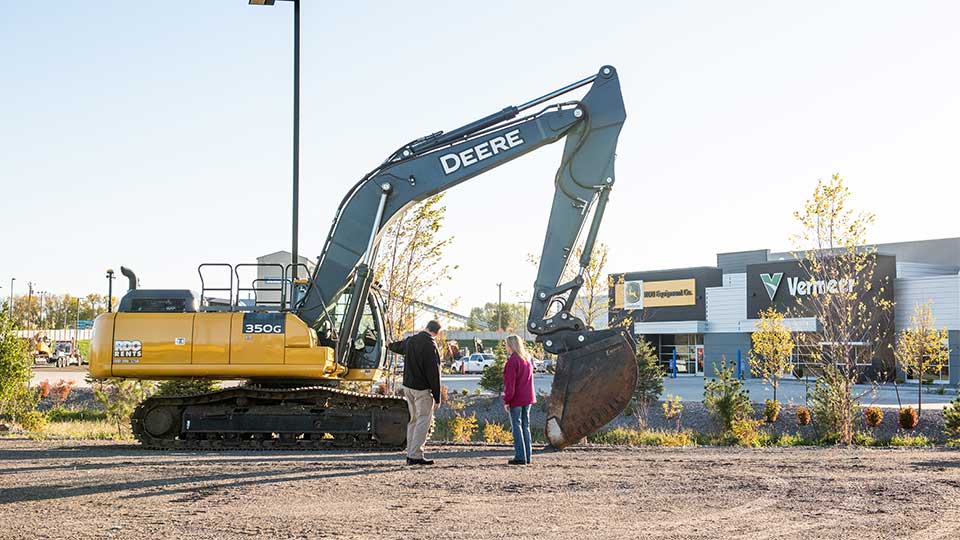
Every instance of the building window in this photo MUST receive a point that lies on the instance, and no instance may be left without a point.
(685, 346)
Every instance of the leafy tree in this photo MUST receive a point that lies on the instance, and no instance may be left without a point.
(832, 243)
(772, 347)
(649, 381)
(410, 262)
(725, 398)
(951, 418)
(120, 397)
(492, 378)
(921, 348)
(489, 317)
(16, 399)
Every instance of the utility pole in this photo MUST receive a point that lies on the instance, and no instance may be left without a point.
(76, 331)
(526, 315)
(29, 304)
(500, 306)
(41, 293)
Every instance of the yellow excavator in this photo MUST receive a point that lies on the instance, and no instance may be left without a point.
(298, 340)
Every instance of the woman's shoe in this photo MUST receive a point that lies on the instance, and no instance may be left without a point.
(516, 462)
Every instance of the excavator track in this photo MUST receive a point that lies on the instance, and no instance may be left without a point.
(251, 418)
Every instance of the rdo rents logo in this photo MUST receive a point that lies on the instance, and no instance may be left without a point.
(127, 348)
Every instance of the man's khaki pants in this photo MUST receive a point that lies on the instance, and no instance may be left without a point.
(420, 404)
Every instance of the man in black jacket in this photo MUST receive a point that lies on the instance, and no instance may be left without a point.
(421, 387)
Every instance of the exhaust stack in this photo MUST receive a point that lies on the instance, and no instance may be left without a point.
(131, 277)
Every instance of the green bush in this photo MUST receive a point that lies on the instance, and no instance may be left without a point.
(632, 437)
(673, 409)
(864, 439)
(496, 433)
(120, 397)
(492, 378)
(771, 410)
(725, 398)
(33, 421)
(462, 428)
(908, 418)
(16, 371)
(910, 440)
(786, 439)
(59, 413)
(649, 382)
(951, 419)
(873, 416)
(746, 432)
(186, 387)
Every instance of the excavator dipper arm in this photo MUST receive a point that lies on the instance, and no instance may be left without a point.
(596, 369)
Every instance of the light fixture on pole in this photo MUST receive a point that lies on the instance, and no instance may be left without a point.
(109, 290)
(294, 252)
(500, 307)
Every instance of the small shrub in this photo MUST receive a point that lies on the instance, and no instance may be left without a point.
(632, 437)
(725, 398)
(496, 433)
(649, 382)
(476, 391)
(873, 416)
(910, 440)
(33, 421)
(59, 413)
(186, 387)
(462, 428)
(62, 391)
(786, 439)
(464, 392)
(771, 410)
(951, 419)
(120, 397)
(746, 432)
(44, 389)
(864, 439)
(673, 409)
(908, 418)
(803, 416)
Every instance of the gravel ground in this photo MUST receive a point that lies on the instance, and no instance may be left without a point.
(97, 490)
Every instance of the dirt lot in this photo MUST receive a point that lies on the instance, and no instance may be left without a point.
(96, 490)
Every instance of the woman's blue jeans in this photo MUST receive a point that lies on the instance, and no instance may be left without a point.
(520, 420)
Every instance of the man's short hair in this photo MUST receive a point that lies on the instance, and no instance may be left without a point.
(433, 327)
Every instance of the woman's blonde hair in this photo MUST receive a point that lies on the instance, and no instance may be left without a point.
(517, 346)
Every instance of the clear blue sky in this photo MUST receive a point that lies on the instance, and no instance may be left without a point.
(156, 134)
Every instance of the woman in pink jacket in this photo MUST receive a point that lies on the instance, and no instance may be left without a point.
(518, 396)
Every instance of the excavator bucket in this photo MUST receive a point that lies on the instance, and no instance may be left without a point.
(592, 385)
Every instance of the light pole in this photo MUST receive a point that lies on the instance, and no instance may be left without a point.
(10, 304)
(526, 315)
(500, 307)
(41, 293)
(109, 290)
(29, 304)
(296, 127)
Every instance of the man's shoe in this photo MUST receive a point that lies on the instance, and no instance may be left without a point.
(412, 461)
(516, 462)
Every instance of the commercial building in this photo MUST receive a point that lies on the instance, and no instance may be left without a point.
(697, 317)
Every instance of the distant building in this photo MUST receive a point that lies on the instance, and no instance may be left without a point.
(272, 270)
(704, 314)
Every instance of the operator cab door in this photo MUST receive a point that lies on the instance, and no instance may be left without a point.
(367, 349)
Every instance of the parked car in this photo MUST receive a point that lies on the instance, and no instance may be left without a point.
(64, 354)
(538, 366)
(475, 363)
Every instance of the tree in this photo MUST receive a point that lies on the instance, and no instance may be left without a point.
(921, 349)
(492, 378)
(772, 347)
(15, 372)
(591, 301)
(649, 381)
(725, 398)
(852, 319)
(492, 314)
(120, 397)
(410, 262)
